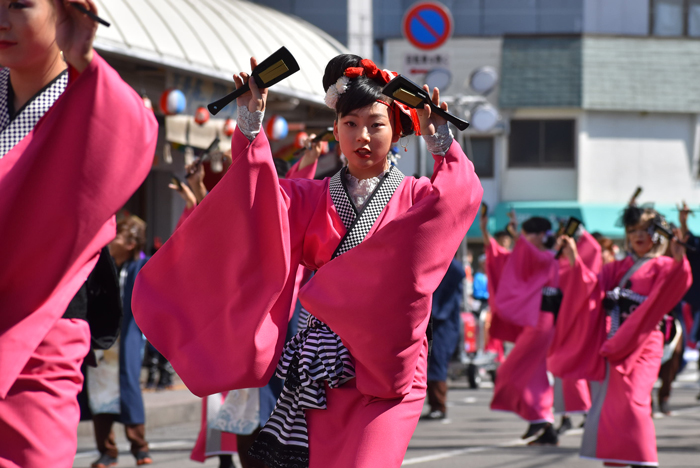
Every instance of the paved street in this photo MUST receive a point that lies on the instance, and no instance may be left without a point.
(473, 436)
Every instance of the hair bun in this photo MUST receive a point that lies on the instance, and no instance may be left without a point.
(336, 68)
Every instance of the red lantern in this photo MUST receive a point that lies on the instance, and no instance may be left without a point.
(201, 115)
(300, 139)
(229, 127)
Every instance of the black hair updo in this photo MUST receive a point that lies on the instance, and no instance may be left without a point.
(536, 225)
(361, 92)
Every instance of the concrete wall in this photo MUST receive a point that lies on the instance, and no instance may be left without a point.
(620, 151)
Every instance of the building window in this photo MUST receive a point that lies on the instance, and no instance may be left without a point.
(480, 152)
(541, 143)
(675, 18)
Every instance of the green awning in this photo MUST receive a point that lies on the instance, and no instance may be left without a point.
(596, 217)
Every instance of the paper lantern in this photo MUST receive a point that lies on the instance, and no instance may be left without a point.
(172, 102)
(229, 127)
(277, 128)
(300, 139)
(201, 115)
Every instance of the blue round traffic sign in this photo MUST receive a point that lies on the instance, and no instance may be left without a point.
(427, 25)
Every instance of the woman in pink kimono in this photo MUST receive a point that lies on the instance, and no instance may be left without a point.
(526, 300)
(616, 341)
(380, 243)
(75, 143)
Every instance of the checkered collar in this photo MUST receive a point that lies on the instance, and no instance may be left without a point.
(359, 223)
(13, 131)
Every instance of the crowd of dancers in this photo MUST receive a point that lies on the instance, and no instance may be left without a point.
(352, 262)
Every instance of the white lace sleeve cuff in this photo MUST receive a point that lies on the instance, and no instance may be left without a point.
(250, 123)
(440, 141)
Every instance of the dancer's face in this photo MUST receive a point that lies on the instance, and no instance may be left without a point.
(639, 239)
(536, 239)
(365, 136)
(27, 33)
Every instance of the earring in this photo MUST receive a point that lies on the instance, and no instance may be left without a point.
(404, 146)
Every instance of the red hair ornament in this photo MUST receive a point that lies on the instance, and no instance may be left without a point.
(383, 77)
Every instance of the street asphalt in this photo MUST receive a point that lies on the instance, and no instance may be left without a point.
(472, 436)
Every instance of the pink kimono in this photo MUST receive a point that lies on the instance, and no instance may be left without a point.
(62, 184)
(572, 395)
(376, 296)
(522, 386)
(625, 356)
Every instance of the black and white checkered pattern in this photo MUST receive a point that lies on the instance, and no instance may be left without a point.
(316, 354)
(13, 131)
(341, 200)
(371, 210)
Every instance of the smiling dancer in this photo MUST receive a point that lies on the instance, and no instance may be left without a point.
(624, 354)
(380, 243)
(75, 144)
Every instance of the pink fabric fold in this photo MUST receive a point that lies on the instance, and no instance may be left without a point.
(307, 172)
(580, 327)
(496, 258)
(66, 180)
(526, 272)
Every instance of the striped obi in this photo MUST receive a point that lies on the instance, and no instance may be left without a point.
(316, 356)
(619, 304)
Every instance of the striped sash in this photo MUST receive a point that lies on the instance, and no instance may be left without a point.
(316, 355)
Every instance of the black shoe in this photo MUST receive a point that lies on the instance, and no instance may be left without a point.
(534, 429)
(664, 407)
(583, 423)
(105, 461)
(434, 415)
(565, 425)
(226, 461)
(548, 437)
(143, 458)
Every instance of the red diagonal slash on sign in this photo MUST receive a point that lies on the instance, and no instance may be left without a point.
(426, 25)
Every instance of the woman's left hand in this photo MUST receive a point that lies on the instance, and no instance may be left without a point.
(75, 32)
(429, 122)
(677, 250)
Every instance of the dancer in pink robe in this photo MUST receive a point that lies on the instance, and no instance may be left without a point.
(525, 298)
(621, 352)
(375, 294)
(74, 146)
(573, 395)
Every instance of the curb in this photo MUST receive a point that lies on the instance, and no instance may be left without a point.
(163, 408)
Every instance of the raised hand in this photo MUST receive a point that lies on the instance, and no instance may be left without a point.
(256, 98)
(75, 32)
(429, 122)
(677, 250)
(569, 249)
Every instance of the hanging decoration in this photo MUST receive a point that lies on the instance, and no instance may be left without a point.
(172, 101)
(201, 115)
(229, 127)
(300, 140)
(277, 128)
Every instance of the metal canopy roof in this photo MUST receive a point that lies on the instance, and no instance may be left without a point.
(216, 38)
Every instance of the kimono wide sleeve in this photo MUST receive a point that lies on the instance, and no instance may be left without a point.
(377, 296)
(580, 325)
(526, 272)
(496, 259)
(673, 280)
(215, 299)
(61, 186)
(307, 172)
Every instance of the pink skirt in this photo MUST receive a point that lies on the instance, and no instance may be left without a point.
(522, 385)
(39, 418)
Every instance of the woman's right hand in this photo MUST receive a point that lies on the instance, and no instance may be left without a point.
(75, 32)
(256, 98)
(569, 249)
